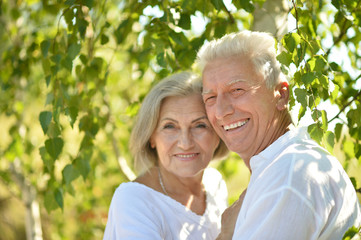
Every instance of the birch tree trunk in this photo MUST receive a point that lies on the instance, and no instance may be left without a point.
(272, 17)
(28, 192)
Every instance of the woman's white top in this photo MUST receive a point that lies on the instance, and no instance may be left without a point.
(297, 191)
(139, 212)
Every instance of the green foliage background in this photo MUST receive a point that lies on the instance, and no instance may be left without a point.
(73, 73)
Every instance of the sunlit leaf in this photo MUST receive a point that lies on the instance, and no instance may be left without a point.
(45, 119)
(308, 78)
(45, 47)
(70, 173)
(329, 141)
(315, 132)
(285, 58)
(301, 96)
(54, 146)
(49, 201)
(59, 197)
(47, 160)
(185, 21)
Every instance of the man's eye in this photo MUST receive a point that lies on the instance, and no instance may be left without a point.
(210, 99)
(237, 91)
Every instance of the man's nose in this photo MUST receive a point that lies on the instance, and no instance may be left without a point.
(224, 106)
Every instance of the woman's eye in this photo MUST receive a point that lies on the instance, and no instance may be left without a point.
(201, 125)
(168, 126)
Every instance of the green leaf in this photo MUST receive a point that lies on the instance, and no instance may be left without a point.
(45, 47)
(291, 41)
(338, 131)
(82, 25)
(47, 160)
(70, 173)
(285, 58)
(217, 4)
(73, 50)
(89, 3)
(354, 182)
(53, 130)
(329, 141)
(324, 120)
(59, 197)
(45, 119)
(352, 231)
(301, 112)
(348, 148)
(316, 114)
(161, 60)
(308, 78)
(247, 5)
(50, 202)
(83, 166)
(47, 80)
(67, 63)
(301, 96)
(69, 2)
(72, 113)
(315, 132)
(54, 146)
(132, 109)
(179, 38)
(104, 39)
(185, 21)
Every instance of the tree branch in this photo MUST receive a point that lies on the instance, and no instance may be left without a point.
(228, 13)
(345, 106)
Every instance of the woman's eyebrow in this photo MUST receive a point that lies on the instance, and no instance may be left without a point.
(200, 118)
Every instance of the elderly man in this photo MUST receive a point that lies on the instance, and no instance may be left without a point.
(297, 189)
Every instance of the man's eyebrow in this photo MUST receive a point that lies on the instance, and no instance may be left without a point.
(227, 84)
(236, 81)
(204, 92)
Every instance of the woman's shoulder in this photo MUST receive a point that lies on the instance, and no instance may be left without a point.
(212, 179)
(132, 189)
(212, 174)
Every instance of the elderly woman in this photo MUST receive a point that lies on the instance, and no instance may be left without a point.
(176, 196)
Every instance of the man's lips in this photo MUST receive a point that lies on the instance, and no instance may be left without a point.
(235, 125)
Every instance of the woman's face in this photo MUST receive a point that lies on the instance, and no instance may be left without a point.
(184, 139)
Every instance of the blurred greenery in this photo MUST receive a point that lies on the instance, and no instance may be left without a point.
(73, 73)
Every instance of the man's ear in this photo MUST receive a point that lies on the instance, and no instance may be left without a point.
(283, 95)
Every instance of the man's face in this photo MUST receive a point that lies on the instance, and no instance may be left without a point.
(240, 107)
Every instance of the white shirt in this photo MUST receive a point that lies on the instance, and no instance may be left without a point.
(139, 212)
(297, 191)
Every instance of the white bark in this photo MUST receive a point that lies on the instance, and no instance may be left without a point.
(272, 17)
(32, 215)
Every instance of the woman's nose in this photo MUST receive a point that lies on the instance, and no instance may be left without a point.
(185, 140)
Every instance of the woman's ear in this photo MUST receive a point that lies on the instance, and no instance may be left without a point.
(151, 143)
(283, 95)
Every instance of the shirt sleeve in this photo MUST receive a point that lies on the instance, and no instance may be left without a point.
(130, 217)
(282, 214)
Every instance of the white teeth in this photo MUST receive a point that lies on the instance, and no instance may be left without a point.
(234, 125)
(186, 155)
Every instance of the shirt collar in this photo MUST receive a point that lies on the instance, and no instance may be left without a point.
(277, 146)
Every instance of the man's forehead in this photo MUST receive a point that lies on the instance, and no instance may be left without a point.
(226, 84)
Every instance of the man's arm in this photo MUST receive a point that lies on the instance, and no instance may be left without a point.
(229, 218)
